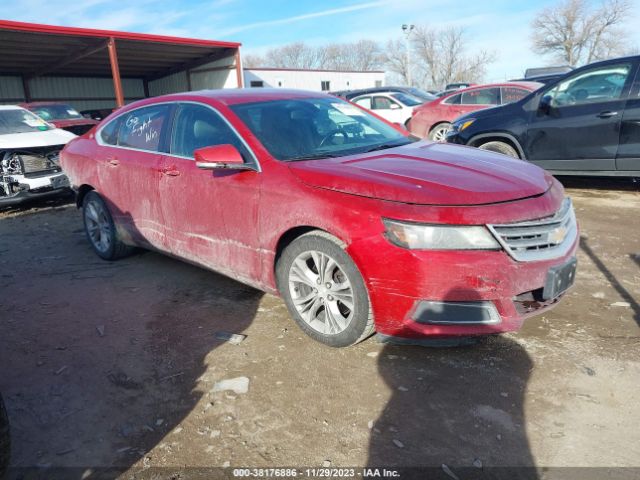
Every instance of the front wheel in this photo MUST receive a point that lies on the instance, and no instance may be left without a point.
(500, 147)
(324, 291)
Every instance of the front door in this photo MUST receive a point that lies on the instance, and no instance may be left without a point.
(211, 216)
(577, 124)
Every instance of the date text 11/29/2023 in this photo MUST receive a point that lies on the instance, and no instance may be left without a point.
(316, 473)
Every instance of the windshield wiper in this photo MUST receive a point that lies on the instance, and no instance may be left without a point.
(313, 156)
(384, 146)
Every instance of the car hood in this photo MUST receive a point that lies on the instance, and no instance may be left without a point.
(44, 138)
(427, 173)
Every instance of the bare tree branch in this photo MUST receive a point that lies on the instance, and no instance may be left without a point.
(576, 33)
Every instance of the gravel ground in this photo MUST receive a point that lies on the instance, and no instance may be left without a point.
(114, 365)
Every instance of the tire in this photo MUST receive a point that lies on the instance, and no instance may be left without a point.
(339, 293)
(5, 440)
(100, 229)
(500, 147)
(439, 132)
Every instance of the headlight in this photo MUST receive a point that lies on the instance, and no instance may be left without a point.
(439, 237)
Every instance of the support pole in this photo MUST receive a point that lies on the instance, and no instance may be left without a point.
(26, 89)
(239, 68)
(115, 71)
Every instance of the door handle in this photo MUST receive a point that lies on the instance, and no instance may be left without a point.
(170, 172)
(607, 114)
(114, 162)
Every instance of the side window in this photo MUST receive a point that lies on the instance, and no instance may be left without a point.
(453, 100)
(197, 126)
(513, 94)
(364, 102)
(109, 134)
(144, 128)
(602, 84)
(481, 96)
(381, 103)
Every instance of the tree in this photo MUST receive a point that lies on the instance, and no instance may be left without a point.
(576, 32)
(394, 58)
(442, 57)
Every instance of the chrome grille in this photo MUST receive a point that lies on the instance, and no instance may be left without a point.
(540, 239)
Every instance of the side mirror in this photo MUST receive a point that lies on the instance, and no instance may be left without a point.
(394, 106)
(220, 157)
(544, 107)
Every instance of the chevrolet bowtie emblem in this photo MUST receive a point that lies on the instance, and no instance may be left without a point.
(558, 235)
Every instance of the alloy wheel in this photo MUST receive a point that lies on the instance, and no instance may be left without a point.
(98, 226)
(321, 292)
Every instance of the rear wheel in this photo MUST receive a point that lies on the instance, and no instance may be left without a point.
(324, 291)
(100, 229)
(500, 147)
(439, 132)
(5, 439)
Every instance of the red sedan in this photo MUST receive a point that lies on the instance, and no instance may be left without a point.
(433, 119)
(61, 116)
(304, 195)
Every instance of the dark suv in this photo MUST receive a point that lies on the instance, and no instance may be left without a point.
(585, 123)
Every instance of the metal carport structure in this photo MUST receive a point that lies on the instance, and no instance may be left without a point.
(41, 57)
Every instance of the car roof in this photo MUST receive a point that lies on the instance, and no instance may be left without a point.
(528, 85)
(233, 96)
(11, 107)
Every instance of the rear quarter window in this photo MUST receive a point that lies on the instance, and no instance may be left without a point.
(513, 94)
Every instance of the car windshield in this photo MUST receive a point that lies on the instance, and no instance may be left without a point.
(311, 128)
(18, 120)
(408, 100)
(56, 112)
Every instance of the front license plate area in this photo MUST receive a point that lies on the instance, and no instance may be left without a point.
(559, 279)
(60, 181)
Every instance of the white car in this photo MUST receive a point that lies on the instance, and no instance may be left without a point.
(29, 157)
(395, 107)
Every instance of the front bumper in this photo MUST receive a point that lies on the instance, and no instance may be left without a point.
(38, 187)
(408, 286)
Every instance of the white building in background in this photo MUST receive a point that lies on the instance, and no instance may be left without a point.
(320, 80)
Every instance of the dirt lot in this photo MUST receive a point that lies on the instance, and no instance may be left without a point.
(113, 364)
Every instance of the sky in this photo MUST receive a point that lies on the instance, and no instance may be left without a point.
(499, 26)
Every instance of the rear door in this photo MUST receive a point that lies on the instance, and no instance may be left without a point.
(129, 160)
(580, 129)
(628, 157)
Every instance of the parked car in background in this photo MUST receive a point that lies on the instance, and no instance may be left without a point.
(98, 113)
(29, 157)
(530, 73)
(416, 92)
(62, 116)
(458, 85)
(432, 120)
(395, 107)
(355, 223)
(586, 123)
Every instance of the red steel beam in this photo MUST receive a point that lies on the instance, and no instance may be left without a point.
(115, 71)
